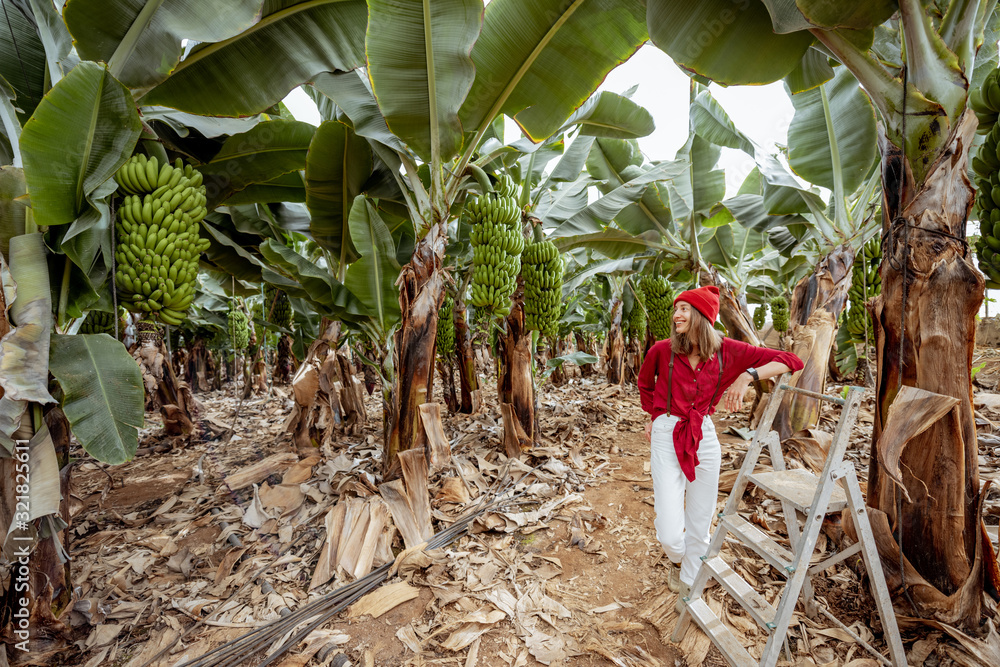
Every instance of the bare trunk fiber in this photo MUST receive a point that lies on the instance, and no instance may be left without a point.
(163, 390)
(584, 343)
(933, 314)
(514, 383)
(616, 346)
(558, 376)
(447, 370)
(421, 291)
(471, 395)
(633, 360)
(817, 302)
(284, 365)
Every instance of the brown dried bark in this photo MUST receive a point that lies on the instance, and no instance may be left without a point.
(733, 310)
(586, 344)
(514, 383)
(817, 301)
(616, 346)
(421, 291)
(933, 315)
(471, 395)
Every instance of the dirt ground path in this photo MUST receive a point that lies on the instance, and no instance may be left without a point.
(153, 557)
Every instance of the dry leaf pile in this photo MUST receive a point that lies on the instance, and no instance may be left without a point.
(569, 573)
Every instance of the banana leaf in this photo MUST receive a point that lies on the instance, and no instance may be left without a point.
(727, 43)
(102, 394)
(420, 69)
(80, 134)
(338, 165)
(12, 186)
(22, 57)
(24, 352)
(250, 72)
(611, 115)
(853, 118)
(315, 283)
(372, 279)
(141, 42)
(268, 150)
(537, 62)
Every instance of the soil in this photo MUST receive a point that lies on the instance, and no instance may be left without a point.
(614, 587)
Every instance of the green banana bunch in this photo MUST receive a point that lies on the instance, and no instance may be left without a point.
(864, 274)
(779, 313)
(986, 164)
(158, 239)
(985, 102)
(279, 308)
(635, 320)
(238, 329)
(99, 322)
(658, 295)
(446, 328)
(497, 243)
(542, 270)
(760, 317)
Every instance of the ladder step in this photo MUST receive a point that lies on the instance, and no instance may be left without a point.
(798, 487)
(775, 554)
(755, 604)
(720, 635)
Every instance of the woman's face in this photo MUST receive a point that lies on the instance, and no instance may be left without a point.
(682, 317)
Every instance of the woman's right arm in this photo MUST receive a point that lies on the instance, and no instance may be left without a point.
(647, 379)
(647, 384)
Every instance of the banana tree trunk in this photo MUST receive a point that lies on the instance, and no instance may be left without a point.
(817, 301)
(616, 346)
(555, 349)
(284, 366)
(733, 310)
(421, 291)
(944, 548)
(163, 390)
(585, 344)
(471, 395)
(514, 384)
(447, 370)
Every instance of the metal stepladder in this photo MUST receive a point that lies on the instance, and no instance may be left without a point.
(799, 491)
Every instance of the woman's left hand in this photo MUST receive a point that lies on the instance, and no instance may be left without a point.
(732, 398)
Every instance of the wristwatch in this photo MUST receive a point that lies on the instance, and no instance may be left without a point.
(753, 373)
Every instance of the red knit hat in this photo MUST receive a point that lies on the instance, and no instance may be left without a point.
(704, 299)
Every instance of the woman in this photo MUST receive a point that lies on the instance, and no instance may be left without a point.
(679, 384)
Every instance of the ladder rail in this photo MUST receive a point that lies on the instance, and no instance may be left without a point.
(837, 474)
(753, 452)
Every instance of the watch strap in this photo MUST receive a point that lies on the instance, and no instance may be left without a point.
(753, 373)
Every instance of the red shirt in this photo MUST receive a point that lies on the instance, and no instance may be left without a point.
(693, 388)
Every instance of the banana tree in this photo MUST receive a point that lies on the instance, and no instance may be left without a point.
(831, 144)
(917, 75)
(57, 244)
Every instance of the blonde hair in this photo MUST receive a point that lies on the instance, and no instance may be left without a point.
(700, 331)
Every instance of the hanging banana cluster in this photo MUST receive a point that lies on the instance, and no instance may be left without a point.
(658, 295)
(279, 308)
(985, 102)
(865, 273)
(158, 236)
(635, 322)
(99, 322)
(542, 269)
(238, 329)
(446, 329)
(760, 317)
(779, 313)
(497, 243)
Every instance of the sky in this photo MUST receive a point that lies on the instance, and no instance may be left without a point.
(762, 112)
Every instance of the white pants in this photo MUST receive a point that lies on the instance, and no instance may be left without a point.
(683, 527)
